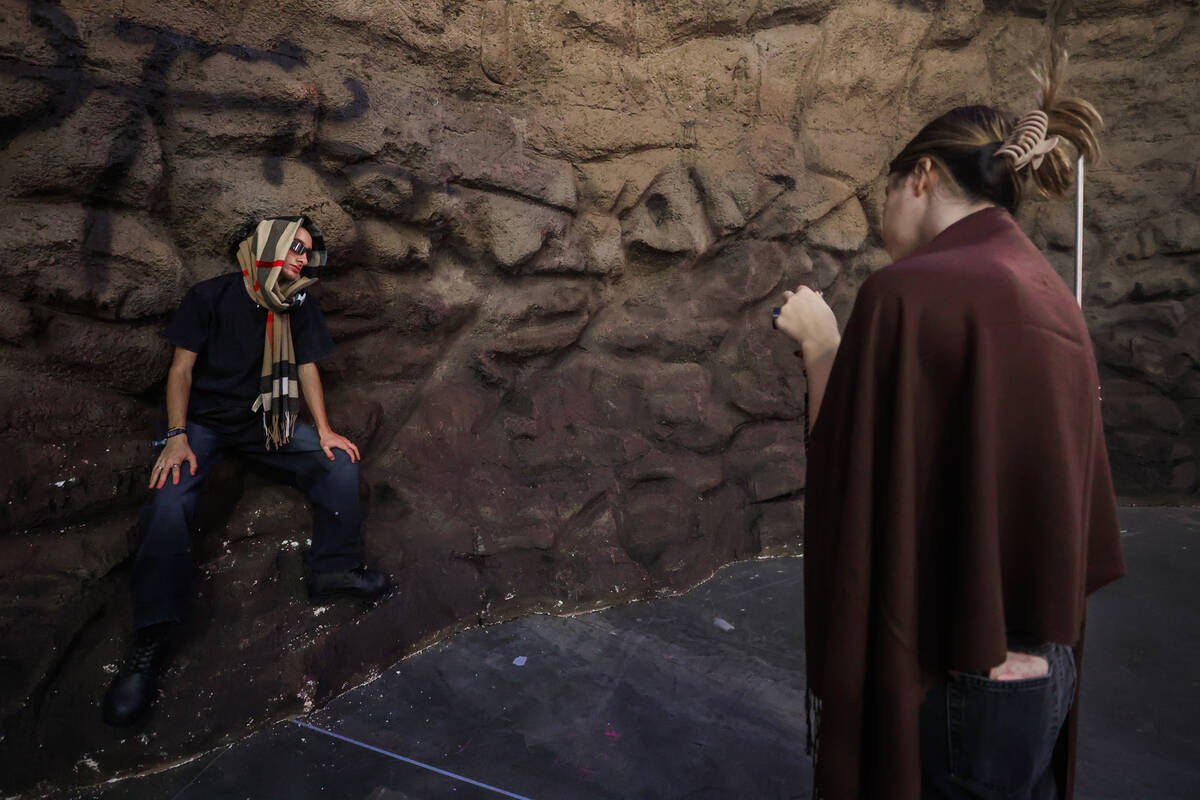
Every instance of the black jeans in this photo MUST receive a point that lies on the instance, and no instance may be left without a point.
(162, 569)
(994, 740)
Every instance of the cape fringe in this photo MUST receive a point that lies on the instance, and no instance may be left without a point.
(812, 739)
(812, 703)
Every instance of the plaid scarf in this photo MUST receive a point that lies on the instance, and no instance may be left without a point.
(261, 258)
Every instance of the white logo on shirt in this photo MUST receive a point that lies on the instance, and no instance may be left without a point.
(299, 299)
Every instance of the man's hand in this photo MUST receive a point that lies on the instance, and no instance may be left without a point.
(808, 319)
(170, 462)
(314, 396)
(330, 440)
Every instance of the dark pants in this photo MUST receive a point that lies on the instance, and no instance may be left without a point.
(163, 567)
(991, 740)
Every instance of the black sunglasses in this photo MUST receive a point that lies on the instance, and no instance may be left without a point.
(299, 248)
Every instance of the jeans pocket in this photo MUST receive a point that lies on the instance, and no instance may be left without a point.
(1001, 733)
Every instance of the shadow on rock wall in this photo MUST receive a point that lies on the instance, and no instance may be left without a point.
(556, 230)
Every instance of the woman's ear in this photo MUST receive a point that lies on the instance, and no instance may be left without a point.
(924, 177)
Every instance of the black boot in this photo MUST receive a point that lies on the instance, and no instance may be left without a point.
(361, 582)
(133, 690)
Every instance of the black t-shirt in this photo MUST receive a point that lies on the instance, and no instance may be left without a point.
(218, 320)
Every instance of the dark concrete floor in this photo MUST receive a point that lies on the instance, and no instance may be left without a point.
(660, 700)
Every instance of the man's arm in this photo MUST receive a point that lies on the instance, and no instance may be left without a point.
(314, 397)
(177, 449)
(179, 387)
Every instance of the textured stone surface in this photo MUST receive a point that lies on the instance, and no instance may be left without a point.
(556, 231)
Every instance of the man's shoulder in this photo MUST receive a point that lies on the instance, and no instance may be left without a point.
(216, 291)
(217, 285)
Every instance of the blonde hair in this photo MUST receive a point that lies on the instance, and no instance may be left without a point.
(965, 142)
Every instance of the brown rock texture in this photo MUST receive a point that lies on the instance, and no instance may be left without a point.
(556, 230)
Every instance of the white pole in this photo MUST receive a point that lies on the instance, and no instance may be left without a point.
(1079, 232)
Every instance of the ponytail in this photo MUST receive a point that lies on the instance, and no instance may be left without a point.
(989, 152)
(1069, 118)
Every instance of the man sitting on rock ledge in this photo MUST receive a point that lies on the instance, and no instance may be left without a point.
(243, 341)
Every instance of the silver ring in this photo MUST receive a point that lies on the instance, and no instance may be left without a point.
(159, 468)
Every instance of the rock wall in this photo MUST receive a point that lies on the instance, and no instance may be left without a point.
(556, 230)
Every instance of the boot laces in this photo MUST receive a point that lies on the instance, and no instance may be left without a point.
(144, 657)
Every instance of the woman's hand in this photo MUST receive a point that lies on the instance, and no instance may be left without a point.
(170, 462)
(807, 318)
(1019, 667)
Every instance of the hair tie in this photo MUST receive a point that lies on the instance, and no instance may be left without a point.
(987, 155)
(1027, 143)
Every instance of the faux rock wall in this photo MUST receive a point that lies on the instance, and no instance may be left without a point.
(556, 230)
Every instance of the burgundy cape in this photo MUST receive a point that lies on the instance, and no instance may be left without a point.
(958, 492)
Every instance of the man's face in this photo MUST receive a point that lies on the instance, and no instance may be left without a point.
(294, 262)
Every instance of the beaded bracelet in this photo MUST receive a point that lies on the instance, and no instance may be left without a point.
(170, 433)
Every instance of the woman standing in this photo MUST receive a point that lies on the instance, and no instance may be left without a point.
(960, 507)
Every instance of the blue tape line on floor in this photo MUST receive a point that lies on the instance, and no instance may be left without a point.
(415, 763)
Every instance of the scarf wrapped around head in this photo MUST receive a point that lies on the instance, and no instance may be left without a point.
(261, 258)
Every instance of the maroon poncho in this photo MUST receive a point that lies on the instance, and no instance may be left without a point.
(958, 493)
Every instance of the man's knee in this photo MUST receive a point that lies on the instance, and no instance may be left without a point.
(341, 466)
(327, 477)
(167, 512)
(163, 530)
(333, 484)
(171, 500)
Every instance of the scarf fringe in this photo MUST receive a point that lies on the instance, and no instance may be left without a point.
(278, 429)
